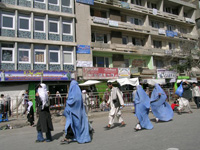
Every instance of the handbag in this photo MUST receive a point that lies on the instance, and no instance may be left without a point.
(179, 90)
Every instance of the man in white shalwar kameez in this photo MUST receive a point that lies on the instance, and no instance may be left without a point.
(115, 101)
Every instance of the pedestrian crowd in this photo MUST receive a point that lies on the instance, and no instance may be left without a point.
(77, 126)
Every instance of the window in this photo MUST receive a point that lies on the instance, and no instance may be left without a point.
(170, 27)
(54, 2)
(24, 23)
(68, 55)
(125, 40)
(137, 41)
(155, 24)
(53, 26)
(8, 21)
(54, 55)
(39, 54)
(24, 53)
(98, 13)
(157, 44)
(99, 37)
(126, 62)
(136, 21)
(40, 1)
(184, 30)
(172, 46)
(39, 25)
(151, 5)
(7, 53)
(66, 3)
(137, 2)
(159, 64)
(67, 27)
(100, 62)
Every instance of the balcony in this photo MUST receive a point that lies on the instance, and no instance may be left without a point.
(103, 22)
(144, 10)
(120, 48)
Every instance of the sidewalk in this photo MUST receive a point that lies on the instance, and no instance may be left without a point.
(15, 123)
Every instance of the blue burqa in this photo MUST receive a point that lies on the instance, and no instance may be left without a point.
(160, 108)
(75, 114)
(142, 105)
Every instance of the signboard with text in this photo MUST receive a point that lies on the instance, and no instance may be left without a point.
(124, 72)
(83, 49)
(100, 73)
(35, 76)
(165, 74)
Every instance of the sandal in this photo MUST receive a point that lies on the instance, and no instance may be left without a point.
(64, 141)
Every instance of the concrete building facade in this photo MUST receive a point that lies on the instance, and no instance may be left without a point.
(135, 33)
(37, 42)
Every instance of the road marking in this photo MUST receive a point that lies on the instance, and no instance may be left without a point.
(172, 149)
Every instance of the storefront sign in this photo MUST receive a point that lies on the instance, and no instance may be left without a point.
(89, 2)
(164, 74)
(169, 33)
(84, 64)
(138, 63)
(83, 49)
(113, 23)
(124, 72)
(161, 31)
(35, 76)
(100, 73)
(100, 20)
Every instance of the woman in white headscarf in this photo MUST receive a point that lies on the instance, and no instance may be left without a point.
(44, 122)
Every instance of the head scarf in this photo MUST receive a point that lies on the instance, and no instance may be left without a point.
(142, 97)
(76, 115)
(29, 105)
(43, 94)
(156, 91)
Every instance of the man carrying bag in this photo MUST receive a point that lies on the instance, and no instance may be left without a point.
(115, 101)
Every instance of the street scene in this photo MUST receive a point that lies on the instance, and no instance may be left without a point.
(100, 74)
(181, 133)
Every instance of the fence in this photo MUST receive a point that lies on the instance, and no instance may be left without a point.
(15, 107)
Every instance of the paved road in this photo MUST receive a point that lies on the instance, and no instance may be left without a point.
(182, 133)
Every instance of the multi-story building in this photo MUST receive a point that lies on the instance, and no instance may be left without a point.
(37, 42)
(133, 34)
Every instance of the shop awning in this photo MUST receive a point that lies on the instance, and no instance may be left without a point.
(89, 82)
(126, 81)
(154, 81)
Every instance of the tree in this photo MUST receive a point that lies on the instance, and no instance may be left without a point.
(190, 55)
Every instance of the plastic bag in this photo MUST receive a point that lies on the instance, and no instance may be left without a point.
(179, 90)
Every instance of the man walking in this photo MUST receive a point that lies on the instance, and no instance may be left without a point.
(115, 101)
(196, 94)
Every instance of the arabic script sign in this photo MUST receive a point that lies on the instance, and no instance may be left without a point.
(35, 75)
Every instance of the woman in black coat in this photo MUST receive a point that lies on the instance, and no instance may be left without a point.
(44, 122)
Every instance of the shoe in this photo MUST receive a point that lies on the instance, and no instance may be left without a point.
(122, 125)
(47, 140)
(157, 120)
(38, 141)
(64, 141)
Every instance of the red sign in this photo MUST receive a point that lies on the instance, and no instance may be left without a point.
(100, 73)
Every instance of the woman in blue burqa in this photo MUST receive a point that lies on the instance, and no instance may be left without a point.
(160, 108)
(142, 105)
(77, 125)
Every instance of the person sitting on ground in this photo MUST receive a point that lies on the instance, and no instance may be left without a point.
(175, 105)
(184, 99)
